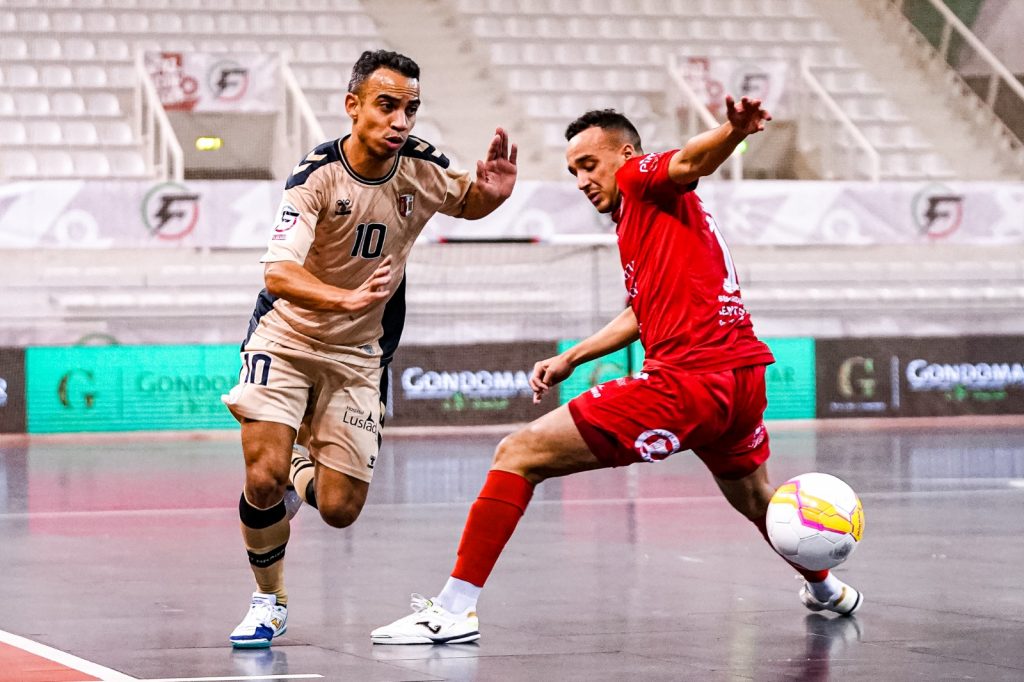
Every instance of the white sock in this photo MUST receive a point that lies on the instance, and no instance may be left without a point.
(828, 589)
(458, 596)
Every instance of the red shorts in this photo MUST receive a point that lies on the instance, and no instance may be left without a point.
(663, 411)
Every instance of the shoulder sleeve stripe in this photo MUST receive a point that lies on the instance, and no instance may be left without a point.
(415, 148)
(321, 156)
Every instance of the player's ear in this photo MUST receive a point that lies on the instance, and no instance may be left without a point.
(628, 151)
(352, 105)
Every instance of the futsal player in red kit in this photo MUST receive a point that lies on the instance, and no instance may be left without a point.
(702, 387)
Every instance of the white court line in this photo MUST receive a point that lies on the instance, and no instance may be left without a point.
(63, 658)
(1012, 486)
(233, 679)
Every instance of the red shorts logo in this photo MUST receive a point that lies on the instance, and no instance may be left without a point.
(655, 445)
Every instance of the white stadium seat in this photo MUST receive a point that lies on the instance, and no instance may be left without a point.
(12, 133)
(31, 103)
(7, 105)
(91, 164)
(79, 49)
(90, 76)
(68, 22)
(55, 164)
(12, 47)
(56, 76)
(297, 24)
(17, 163)
(114, 49)
(122, 76)
(79, 133)
(200, 23)
(168, 22)
(45, 49)
(103, 104)
(133, 22)
(127, 164)
(44, 133)
(67, 104)
(115, 132)
(21, 75)
(100, 22)
(232, 23)
(33, 22)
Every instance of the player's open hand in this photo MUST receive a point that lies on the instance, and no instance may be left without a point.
(547, 373)
(746, 117)
(496, 175)
(375, 289)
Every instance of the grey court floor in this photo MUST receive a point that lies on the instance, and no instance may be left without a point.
(126, 552)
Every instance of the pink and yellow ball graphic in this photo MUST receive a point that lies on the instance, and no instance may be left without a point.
(815, 520)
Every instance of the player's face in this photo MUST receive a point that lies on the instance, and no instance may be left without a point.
(594, 155)
(383, 111)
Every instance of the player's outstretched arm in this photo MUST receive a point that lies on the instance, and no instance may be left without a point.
(495, 178)
(618, 333)
(704, 153)
(295, 284)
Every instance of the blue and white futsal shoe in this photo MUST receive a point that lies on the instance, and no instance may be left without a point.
(265, 621)
(429, 623)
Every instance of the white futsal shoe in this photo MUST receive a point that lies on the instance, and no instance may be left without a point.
(846, 604)
(265, 621)
(429, 624)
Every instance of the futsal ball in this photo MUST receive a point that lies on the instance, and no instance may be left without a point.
(815, 521)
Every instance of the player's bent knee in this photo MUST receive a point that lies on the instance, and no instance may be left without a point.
(264, 486)
(340, 516)
(516, 454)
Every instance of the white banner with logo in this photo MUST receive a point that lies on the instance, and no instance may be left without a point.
(242, 214)
(201, 82)
(712, 78)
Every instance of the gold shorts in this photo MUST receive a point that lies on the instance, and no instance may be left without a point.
(342, 403)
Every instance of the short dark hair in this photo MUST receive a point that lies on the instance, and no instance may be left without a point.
(371, 60)
(606, 119)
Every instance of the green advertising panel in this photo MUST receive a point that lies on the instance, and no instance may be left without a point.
(594, 372)
(129, 388)
(790, 381)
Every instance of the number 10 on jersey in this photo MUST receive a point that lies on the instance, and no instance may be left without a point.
(369, 241)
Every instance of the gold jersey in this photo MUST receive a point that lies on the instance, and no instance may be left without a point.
(339, 225)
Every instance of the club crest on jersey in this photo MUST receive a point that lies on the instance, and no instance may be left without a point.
(405, 203)
(343, 207)
(655, 445)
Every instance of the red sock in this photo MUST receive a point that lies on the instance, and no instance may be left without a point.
(492, 520)
(810, 576)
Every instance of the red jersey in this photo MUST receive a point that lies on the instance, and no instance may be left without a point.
(680, 278)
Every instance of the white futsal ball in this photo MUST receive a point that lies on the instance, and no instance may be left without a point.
(815, 521)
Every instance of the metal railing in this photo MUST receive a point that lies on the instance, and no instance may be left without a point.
(302, 129)
(1000, 78)
(162, 150)
(697, 117)
(825, 131)
(1000, 74)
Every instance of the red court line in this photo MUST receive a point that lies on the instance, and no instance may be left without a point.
(18, 665)
(25, 660)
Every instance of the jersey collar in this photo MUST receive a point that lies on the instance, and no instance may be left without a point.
(362, 178)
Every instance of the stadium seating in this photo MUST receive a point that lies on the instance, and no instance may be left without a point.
(73, 62)
(477, 291)
(601, 53)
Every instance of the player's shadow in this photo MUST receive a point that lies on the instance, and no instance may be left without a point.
(826, 638)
